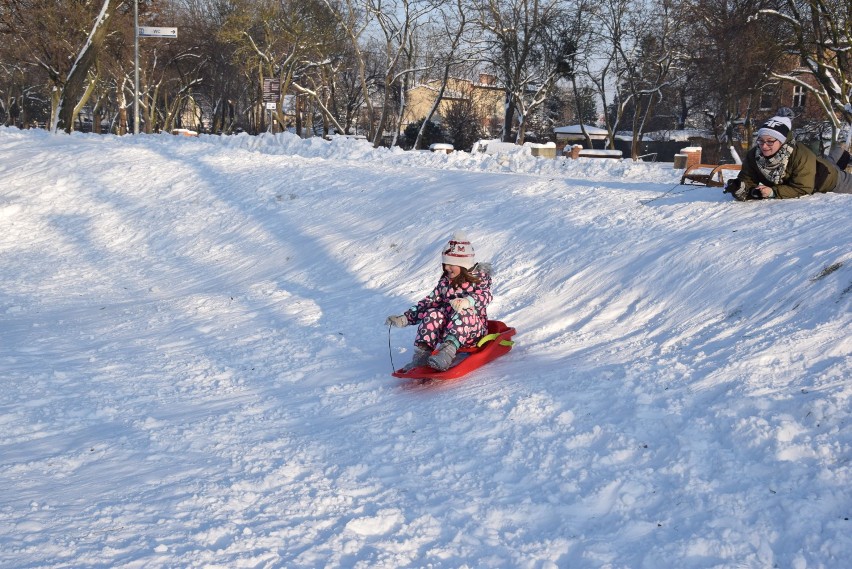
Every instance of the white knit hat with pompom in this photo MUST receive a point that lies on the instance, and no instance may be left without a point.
(459, 252)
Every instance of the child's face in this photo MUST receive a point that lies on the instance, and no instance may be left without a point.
(452, 271)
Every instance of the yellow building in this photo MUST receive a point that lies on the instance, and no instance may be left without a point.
(487, 97)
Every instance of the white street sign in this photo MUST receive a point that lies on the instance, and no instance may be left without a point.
(270, 106)
(152, 32)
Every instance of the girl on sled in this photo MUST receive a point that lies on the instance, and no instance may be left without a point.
(453, 315)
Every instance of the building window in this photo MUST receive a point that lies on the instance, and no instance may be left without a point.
(767, 100)
(799, 96)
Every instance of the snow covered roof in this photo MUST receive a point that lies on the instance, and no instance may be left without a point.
(575, 129)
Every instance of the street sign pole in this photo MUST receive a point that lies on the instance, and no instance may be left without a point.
(136, 66)
(146, 32)
(271, 93)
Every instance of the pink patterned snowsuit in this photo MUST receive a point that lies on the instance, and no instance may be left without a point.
(438, 321)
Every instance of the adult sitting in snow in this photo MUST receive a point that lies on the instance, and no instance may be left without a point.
(453, 315)
(779, 167)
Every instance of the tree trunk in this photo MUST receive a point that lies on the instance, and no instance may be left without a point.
(380, 127)
(151, 110)
(508, 117)
(298, 110)
(73, 87)
(522, 131)
(309, 118)
(85, 97)
(122, 109)
(418, 142)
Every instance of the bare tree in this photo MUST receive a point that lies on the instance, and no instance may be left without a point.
(16, 86)
(453, 25)
(720, 79)
(220, 90)
(649, 60)
(581, 22)
(64, 42)
(346, 96)
(270, 39)
(819, 32)
(354, 19)
(317, 61)
(634, 34)
(399, 22)
(527, 44)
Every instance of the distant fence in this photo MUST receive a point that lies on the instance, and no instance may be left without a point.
(711, 151)
(664, 151)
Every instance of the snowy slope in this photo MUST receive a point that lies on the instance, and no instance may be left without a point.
(195, 369)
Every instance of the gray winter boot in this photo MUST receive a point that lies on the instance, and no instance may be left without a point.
(442, 360)
(420, 357)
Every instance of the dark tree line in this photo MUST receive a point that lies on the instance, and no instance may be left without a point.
(345, 65)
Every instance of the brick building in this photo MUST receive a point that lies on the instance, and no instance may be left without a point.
(487, 96)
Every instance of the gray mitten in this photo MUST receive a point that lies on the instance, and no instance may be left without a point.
(397, 321)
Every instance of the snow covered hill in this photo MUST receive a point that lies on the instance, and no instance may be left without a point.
(195, 367)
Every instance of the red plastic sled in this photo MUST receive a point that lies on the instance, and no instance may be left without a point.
(495, 344)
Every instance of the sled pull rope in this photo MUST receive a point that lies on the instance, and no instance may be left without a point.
(664, 194)
(390, 350)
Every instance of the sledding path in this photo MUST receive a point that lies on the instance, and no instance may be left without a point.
(195, 370)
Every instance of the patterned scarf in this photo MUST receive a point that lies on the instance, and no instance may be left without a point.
(774, 167)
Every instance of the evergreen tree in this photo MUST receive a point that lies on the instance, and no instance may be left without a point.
(432, 134)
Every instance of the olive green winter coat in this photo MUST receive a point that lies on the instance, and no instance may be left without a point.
(805, 174)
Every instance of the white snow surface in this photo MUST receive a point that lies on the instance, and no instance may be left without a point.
(196, 369)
